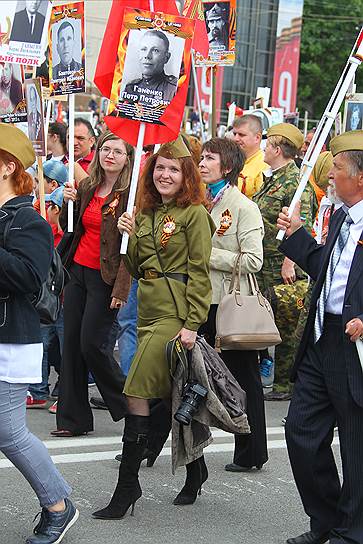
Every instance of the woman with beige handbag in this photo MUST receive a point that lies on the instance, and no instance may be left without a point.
(239, 231)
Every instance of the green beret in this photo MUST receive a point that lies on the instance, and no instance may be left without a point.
(14, 141)
(348, 141)
(174, 150)
(321, 169)
(288, 131)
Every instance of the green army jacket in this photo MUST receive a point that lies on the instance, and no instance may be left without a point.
(276, 192)
(186, 250)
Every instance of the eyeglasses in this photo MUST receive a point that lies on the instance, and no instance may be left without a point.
(117, 153)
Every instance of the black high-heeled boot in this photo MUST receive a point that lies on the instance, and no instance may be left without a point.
(197, 474)
(128, 489)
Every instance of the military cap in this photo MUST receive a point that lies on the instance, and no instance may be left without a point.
(14, 141)
(321, 169)
(288, 131)
(348, 141)
(216, 12)
(174, 150)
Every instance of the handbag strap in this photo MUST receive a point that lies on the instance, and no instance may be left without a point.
(235, 284)
(175, 347)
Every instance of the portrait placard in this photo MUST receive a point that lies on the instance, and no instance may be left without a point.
(67, 49)
(12, 102)
(34, 106)
(220, 19)
(154, 50)
(353, 112)
(24, 25)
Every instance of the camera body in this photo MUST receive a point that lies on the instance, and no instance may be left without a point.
(193, 395)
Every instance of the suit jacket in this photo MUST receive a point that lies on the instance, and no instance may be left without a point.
(21, 31)
(314, 259)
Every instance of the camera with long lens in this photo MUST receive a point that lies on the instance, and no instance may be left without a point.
(193, 396)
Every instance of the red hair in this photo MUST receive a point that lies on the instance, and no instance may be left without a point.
(21, 180)
(191, 193)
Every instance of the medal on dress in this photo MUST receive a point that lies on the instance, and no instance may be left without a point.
(168, 229)
(226, 222)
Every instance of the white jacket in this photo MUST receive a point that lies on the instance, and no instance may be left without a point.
(244, 234)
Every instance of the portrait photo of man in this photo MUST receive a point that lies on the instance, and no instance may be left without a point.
(34, 115)
(217, 26)
(354, 116)
(65, 44)
(153, 54)
(29, 22)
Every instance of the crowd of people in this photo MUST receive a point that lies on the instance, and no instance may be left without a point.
(199, 208)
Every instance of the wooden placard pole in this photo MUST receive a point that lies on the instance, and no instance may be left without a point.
(70, 156)
(41, 187)
(214, 102)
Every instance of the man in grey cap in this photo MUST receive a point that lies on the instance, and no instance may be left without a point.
(155, 85)
(217, 21)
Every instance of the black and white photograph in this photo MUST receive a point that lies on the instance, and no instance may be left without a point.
(12, 105)
(152, 67)
(217, 20)
(66, 49)
(354, 113)
(29, 21)
(35, 115)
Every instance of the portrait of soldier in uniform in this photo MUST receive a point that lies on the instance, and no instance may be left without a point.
(154, 83)
(217, 25)
(34, 116)
(65, 46)
(354, 116)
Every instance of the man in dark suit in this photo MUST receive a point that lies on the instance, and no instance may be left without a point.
(28, 24)
(327, 372)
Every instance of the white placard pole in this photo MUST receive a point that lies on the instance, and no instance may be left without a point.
(326, 123)
(197, 96)
(231, 114)
(70, 156)
(133, 184)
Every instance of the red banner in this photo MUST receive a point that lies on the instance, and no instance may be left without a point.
(287, 57)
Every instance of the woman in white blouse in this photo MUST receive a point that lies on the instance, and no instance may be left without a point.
(239, 230)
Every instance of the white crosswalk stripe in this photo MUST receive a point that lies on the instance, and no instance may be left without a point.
(224, 442)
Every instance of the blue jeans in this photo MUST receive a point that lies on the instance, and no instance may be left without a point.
(127, 320)
(49, 334)
(26, 451)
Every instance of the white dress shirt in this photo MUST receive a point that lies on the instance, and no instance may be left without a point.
(334, 303)
(21, 363)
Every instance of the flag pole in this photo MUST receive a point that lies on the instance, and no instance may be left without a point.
(70, 156)
(41, 187)
(197, 96)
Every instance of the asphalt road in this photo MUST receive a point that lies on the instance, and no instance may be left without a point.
(250, 508)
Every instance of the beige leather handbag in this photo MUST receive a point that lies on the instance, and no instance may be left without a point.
(245, 322)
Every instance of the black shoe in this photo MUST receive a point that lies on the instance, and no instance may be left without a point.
(149, 455)
(128, 489)
(98, 402)
(232, 467)
(197, 474)
(309, 538)
(53, 525)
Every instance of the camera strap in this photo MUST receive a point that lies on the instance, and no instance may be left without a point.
(175, 352)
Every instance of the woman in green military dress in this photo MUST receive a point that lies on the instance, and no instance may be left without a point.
(169, 252)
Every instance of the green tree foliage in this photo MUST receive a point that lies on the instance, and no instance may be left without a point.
(330, 28)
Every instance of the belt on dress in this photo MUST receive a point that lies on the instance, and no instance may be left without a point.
(154, 274)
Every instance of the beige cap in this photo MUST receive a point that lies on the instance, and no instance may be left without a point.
(14, 141)
(322, 168)
(288, 131)
(348, 141)
(174, 150)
